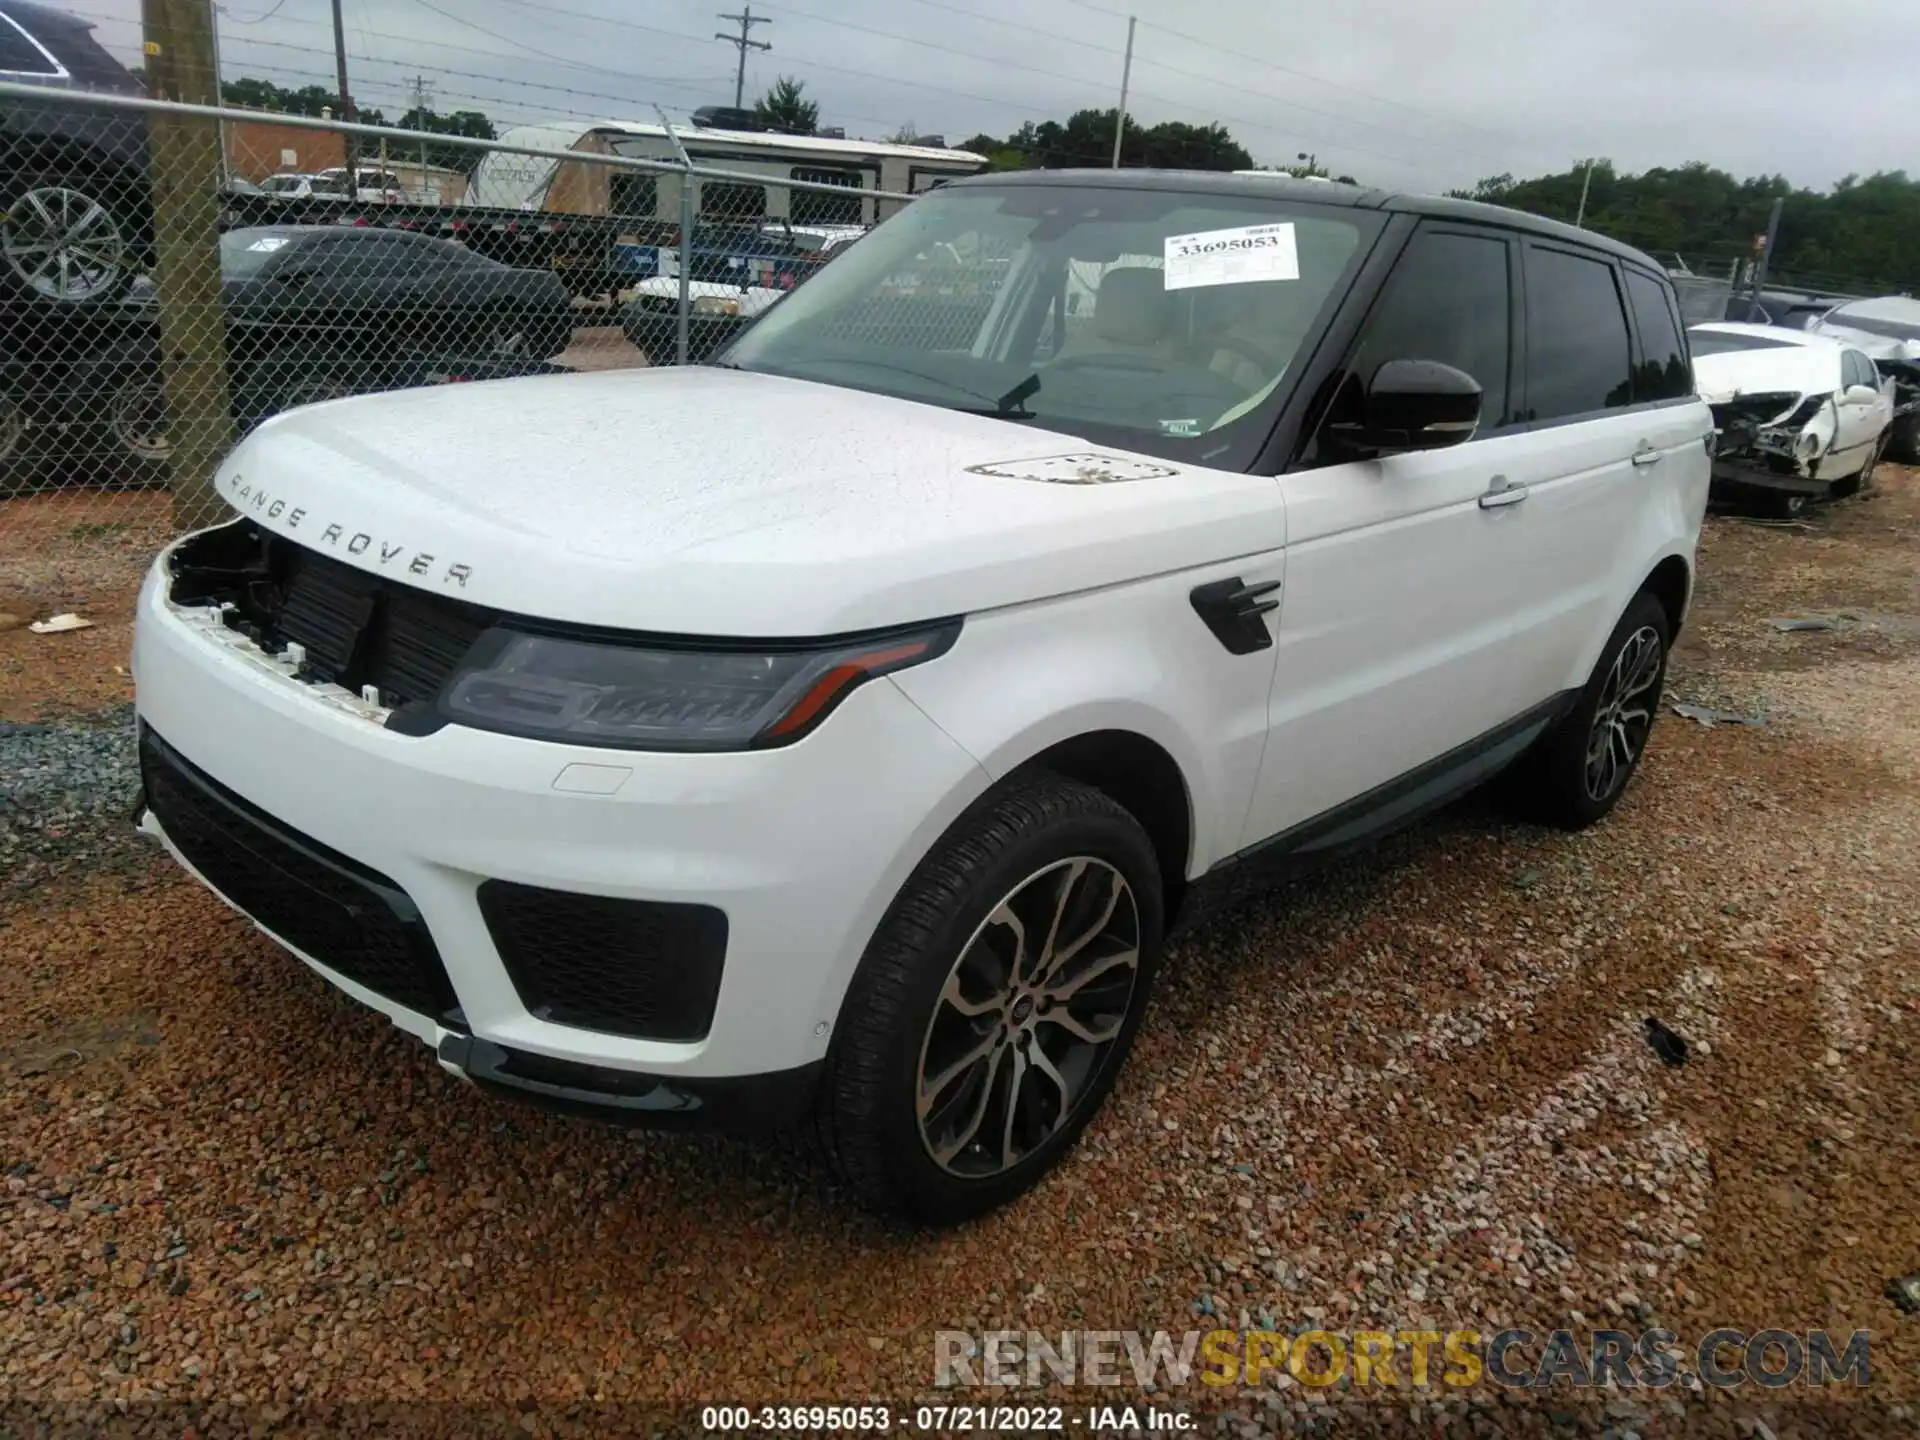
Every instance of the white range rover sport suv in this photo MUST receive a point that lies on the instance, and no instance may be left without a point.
(835, 733)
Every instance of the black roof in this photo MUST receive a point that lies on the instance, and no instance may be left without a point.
(1315, 192)
(70, 40)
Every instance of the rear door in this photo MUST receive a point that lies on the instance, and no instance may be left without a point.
(1613, 425)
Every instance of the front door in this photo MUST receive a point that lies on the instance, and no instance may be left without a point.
(1394, 636)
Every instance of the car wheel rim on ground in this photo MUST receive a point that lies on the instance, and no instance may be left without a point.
(139, 422)
(13, 428)
(62, 243)
(1027, 1017)
(1625, 713)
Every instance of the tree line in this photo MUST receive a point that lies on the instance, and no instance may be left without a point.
(1863, 234)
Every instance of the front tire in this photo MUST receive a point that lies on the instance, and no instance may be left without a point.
(995, 1005)
(1581, 767)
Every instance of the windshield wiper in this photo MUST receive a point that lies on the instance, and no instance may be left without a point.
(1013, 404)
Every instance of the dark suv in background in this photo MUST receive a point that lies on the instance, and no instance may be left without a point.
(76, 217)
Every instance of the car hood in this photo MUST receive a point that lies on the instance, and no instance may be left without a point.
(1877, 347)
(715, 502)
(1797, 369)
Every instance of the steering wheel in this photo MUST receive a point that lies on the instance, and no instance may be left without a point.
(1107, 360)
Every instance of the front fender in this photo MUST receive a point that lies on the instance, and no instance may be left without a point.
(1133, 658)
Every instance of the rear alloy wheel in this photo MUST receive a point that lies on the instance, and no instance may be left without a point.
(1579, 769)
(62, 243)
(996, 1003)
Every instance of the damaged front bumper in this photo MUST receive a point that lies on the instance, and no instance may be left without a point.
(1771, 442)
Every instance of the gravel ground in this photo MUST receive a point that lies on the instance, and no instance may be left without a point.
(1418, 1091)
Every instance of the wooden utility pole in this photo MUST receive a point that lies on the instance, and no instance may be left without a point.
(349, 143)
(1120, 115)
(746, 20)
(186, 236)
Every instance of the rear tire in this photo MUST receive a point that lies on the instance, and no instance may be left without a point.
(995, 1005)
(1578, 771)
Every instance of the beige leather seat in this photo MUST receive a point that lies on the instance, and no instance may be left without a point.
(1132, 315)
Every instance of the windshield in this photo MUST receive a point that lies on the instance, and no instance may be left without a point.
(243, 253)
(1160, 321)
(1721, 342)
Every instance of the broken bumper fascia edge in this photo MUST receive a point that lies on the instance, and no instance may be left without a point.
(1733, 474)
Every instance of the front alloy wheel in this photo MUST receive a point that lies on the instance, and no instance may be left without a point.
(62, 244)
(995, 1004)
(1027, 1017)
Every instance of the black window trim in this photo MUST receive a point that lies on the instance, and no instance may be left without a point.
(1634, 353)
(59, 71)
(1639, 350)
(1349, 324)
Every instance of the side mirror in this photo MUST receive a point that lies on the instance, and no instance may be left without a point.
(1415, 405)
(1861, 395)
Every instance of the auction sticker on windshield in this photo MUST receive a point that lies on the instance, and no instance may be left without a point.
(1232, 257)
(268, 242)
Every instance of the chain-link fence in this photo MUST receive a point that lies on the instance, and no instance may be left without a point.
(172, 276)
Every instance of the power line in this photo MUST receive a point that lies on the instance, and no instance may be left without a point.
(257, 19)
(1297, 74)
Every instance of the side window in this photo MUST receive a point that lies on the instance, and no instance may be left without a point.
(1859, 370)
(1664, 373)
(818, 207)
(633, 194)
(731, 200)
(1448, 299)
(20, 54)
(1578, 357)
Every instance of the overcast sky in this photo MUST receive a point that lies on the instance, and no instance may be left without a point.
(1405, 93)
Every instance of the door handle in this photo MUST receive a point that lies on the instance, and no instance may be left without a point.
(1501, 491)
(1646, 455)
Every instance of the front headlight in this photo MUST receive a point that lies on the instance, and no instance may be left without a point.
(1808, 446)
(716, 305)
(665, 697)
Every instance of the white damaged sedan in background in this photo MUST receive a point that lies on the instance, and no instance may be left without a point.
(1800, 417)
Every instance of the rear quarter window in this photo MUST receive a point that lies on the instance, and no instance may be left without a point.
(1664, 373)
(1579, 357)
